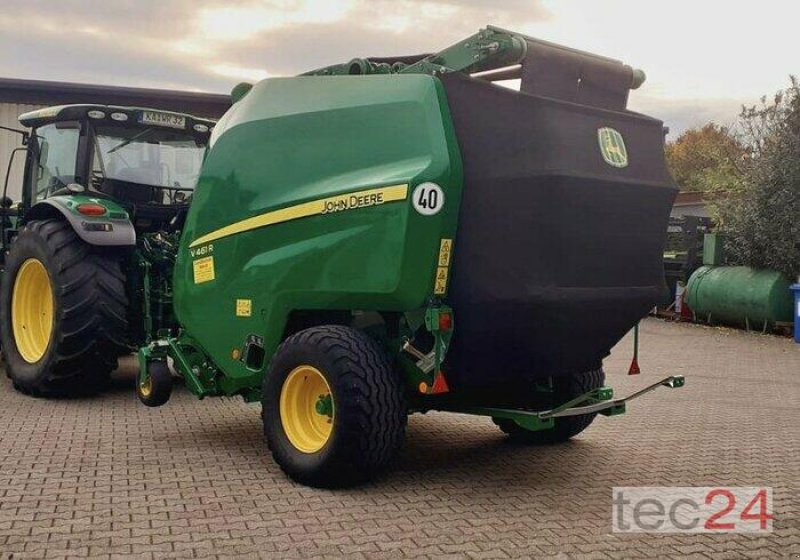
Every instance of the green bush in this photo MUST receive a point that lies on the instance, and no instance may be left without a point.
(761, 212)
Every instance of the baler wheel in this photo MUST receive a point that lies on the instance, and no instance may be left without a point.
(63, 311)
(334, 409)
(157, 388)
(564, 389)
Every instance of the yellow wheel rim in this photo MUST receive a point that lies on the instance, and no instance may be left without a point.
(32, 310)
(306, 408)
(146, 388)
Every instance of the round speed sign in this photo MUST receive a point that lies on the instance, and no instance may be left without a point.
(428, 199)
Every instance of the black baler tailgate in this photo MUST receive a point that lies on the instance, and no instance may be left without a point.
(558, 253)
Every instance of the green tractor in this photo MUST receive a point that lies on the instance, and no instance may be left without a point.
(88, 251)
(368, 240)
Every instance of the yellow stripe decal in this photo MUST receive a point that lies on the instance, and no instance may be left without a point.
(330, 205)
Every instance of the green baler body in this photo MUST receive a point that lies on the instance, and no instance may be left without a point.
(305, 214)
(256, 235)
(740, 295)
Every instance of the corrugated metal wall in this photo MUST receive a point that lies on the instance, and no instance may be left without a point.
(9, 114)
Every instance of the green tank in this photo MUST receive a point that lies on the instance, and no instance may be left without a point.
(740, 295)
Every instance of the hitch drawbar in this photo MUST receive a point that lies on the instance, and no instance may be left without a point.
(600, 401)
(609, 404)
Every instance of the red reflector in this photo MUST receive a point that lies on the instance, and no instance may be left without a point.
(91, 209)
(440, 385)
(445, 322)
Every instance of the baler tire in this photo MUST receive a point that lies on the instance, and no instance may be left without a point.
(158, 388)
(368, 411)
(565, 388)
(88, 307)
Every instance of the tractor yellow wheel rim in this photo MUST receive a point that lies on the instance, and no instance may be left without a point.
(306, 408)
(32, 310)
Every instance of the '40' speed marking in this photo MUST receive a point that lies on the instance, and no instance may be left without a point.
(428, 199)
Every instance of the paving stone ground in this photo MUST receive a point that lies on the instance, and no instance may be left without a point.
(106, 476)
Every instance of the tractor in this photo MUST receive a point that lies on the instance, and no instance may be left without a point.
(88, 251)
(367, 240)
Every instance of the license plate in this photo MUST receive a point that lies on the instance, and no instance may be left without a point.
(162, 119)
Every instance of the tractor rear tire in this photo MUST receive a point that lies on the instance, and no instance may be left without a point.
(63, 312)
(334, 408)
(564, 389)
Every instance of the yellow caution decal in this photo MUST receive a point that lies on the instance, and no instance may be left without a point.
(203, 270)
(445, 248)
(244, 307)
(443, 268)
(322, 206)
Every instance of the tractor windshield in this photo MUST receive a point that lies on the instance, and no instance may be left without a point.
(146, 165)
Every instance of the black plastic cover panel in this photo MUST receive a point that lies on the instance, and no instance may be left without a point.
(558, 253)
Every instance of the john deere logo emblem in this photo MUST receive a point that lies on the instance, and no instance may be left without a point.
(612, 146)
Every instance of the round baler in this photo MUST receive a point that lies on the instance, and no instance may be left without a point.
(392, 236)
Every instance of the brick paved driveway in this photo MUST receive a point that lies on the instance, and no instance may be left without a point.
(106, 475)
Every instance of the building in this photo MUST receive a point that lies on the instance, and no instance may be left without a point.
(21, 96)
(691, 203)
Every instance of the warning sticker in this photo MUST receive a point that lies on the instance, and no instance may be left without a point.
(440, 286)
(203, 270)
(445, 248)
(244, 307)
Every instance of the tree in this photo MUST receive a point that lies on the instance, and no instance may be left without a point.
(705, 158)
(761, 215)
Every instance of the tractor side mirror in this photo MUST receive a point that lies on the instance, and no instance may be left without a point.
(41, 161)
(44, 151)
(6, 202)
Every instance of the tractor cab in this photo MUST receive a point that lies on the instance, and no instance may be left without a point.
(145, 160)
(87, 253)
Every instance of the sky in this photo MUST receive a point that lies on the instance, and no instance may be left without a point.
(703, 58)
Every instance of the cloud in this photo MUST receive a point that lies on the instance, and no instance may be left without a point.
(98, 58)
(376, 28)
(211, 45)
(243, 22)
(243, 74)
(202, 44)
(680, 114)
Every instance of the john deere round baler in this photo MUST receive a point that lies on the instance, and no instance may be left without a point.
(400, 235)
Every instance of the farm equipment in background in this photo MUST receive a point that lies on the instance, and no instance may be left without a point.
(87, 254)
(399, 235)
(683, 254)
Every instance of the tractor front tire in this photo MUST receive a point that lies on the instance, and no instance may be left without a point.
(63, 311)
(564, 389)
(334, 408)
